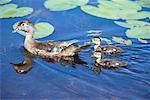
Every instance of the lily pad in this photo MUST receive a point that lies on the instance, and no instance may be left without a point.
(11, 10)
(121, 40)
(144, 3)
(143, 41)
(116, 9)
(120, 4)
(7, 7)
(4, 1)
(132, 23)
(94, 32)
(126, 14)
(139, 32)
(99, 12)
(106, 40)
(60, 5)
(43, 29)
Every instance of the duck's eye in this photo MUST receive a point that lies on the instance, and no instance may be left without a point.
(22, 24)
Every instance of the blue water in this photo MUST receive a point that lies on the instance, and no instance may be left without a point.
(71, 81)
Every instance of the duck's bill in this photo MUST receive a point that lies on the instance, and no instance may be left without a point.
(16, 29)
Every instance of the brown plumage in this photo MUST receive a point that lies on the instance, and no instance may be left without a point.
(47, 49)
(109, 49)
(110, 63)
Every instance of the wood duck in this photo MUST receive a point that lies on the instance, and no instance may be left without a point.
(46, 49)
(107, 63)
(106, 49)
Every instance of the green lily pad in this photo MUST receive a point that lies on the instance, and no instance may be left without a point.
(120, 4)
(132, 23)
(116, 9)
(100, 12)
(4, 1)
(7, 7)
(121, 40)
(94, 33)
(139, 32)
(106, 40)
(126, 14)
(143, 41)
(11, 10)
(60, 5)
(144, 3)
(43, 29)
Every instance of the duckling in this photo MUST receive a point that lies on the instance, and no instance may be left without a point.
(107, 63)
(46, 49)
(107, 49)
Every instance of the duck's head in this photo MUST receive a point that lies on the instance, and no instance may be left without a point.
(25, 26)
(96, 40)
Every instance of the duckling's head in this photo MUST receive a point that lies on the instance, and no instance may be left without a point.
(25, 26)
(96, 40)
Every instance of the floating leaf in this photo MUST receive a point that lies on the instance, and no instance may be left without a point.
(138, 29)
(144, 3)
(139, 32)
(134, 14)
(60, 5)
(106, 40)
(98, 12)
(94, 32)
(143, 41)
(43, 29)
(121, 40)
(132, 23)
(11, 10)
(116, 9)
(120, 4)
(4, 1)
(7, 7)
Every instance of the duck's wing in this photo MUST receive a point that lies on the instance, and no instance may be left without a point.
(53, 44)
(65, 43)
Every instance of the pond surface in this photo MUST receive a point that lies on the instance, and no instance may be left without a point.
(71, 80)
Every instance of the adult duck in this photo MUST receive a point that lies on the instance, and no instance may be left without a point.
(46, 49)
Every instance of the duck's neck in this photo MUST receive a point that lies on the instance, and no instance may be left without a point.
(29, 41)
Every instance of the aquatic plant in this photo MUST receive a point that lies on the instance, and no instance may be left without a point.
(106, 40)
(144, 3)
(137, 29)
(120, 9)
(139, 32)
(11, 11)
(142, 41)
(43, 29)
(60, 5)
(121, 40)
(4, 1)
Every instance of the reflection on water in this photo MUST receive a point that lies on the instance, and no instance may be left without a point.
(26, 65)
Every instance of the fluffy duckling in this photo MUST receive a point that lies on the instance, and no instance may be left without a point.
(46, 49)
(107, 63)
(107, 49)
